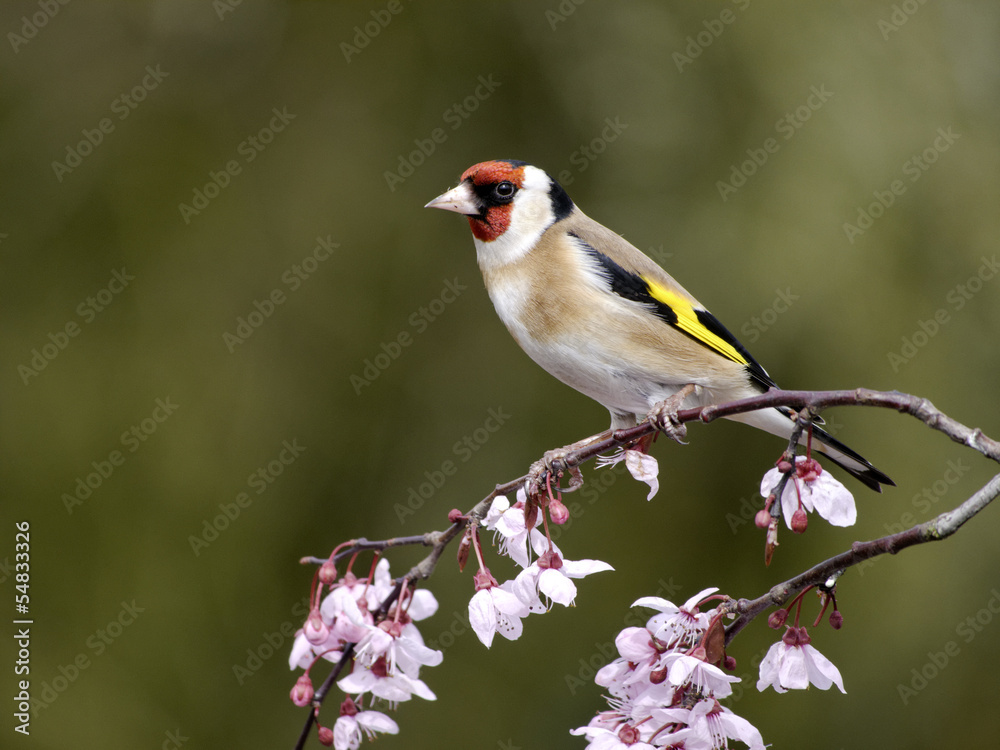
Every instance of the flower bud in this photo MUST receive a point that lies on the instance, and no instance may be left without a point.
(328, 573)
(836, 620)
(455, 515)
(770, 541)
(762, 519)
(325, 736)
(558, 511)
(463, 552)
(302, 692)
(730, 663)
(777, 618)
(315, 630)
(799, 521)
(628, 734)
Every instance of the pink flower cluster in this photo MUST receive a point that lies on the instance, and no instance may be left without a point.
(388, 653)
(664, 692)
(499, 608)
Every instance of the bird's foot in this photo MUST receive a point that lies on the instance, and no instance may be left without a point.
(556, 463)
(664, 415)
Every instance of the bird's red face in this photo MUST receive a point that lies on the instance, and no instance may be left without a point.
(485, 195)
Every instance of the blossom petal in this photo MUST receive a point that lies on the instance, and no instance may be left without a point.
(822, 672)
(769, 669)
(833, 501)
(656, 602)
(695, 600)
(557, 587)
(739, 728)
(635, 644)
(581, 568)
(422, 605)
(302, 653)
(346, 734)
(792, 672)
(483, 617)
(376, 721)
(644, 468)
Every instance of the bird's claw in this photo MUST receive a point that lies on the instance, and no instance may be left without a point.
(550, 466)
(664, 415)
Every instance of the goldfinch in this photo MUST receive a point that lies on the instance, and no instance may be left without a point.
(601, 316)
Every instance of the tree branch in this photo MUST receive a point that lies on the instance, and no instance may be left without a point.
(938, 528)
(934, 530)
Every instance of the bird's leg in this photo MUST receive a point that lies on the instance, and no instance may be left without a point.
(553, 463)
(664, 415)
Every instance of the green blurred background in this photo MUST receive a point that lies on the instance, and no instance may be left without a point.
(645, 108)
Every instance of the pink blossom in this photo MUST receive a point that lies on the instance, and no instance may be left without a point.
(817, 491)
(793, 664)
(347, 731)
(497, 610)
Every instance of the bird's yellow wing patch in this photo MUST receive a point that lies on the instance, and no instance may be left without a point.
(679, 312)
(692, 322)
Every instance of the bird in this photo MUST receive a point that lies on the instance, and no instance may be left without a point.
(603, 317)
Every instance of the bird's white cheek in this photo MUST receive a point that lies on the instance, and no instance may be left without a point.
(530, 217)
(508, 248)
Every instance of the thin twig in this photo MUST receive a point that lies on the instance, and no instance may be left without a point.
(936, 529)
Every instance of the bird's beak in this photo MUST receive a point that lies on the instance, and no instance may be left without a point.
(460, 199)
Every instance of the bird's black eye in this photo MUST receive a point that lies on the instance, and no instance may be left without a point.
(505, 190)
